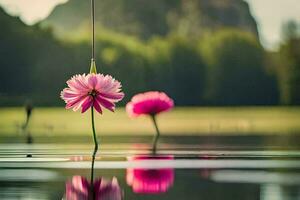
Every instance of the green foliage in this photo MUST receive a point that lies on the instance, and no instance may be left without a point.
(236, 73)
(171, 64)
(187, 72)
(289, 65)
(223, 67)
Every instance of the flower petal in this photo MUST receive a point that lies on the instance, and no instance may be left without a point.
(75, 103)
(88, 102)
(80, 88)
(97, 106)
(114, 96)
(106, 103)
(92, 81)
(150, 103)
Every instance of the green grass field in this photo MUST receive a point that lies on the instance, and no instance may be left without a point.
(180, 121)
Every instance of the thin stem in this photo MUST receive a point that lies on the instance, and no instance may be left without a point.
(94, 130)
(95, 150)
(93, 27)
(93, 69)
(154, 144)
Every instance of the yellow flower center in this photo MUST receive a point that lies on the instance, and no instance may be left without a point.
(93, 93)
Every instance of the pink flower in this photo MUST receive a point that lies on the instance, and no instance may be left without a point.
(79, 189)
(150, 103)
(94, 90)
(150, 181)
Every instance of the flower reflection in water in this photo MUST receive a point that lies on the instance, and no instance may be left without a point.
(150, 181)
(79, 188)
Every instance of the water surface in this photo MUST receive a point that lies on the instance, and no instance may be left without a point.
(219, 167)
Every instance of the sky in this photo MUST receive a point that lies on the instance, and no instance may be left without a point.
(269, 14)
(30, 11)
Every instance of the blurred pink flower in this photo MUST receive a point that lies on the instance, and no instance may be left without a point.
(79, 189)
(95, 90)
(150, 181)
(150, 103)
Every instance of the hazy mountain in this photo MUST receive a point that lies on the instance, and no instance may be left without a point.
(146, 18)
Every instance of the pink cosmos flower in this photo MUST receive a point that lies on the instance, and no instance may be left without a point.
(150, 181)
(95, 90)
(150, 103)
(79, 189)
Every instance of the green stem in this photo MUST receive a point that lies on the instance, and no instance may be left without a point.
(154, 144)
(94, 130)
(95, 150)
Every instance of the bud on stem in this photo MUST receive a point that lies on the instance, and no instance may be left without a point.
(93, 69)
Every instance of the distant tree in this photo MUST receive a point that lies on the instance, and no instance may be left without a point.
(187, 72)
(289, 67)
(13, 52)
(236, 70)
(290, 30)
(172, 64)
(229, 68)
(32, 63)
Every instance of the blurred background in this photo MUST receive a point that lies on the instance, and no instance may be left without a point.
(231, 66)
(200, 52)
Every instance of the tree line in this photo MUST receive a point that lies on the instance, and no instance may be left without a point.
(222, 67)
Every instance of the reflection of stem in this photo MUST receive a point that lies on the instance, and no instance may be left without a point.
(29, 138)
(92, 173)
(25, 125)
(95, 150)
(154, 145)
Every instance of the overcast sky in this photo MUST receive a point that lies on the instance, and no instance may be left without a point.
(270, 14)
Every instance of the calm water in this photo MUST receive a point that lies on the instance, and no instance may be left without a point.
(227, 168)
